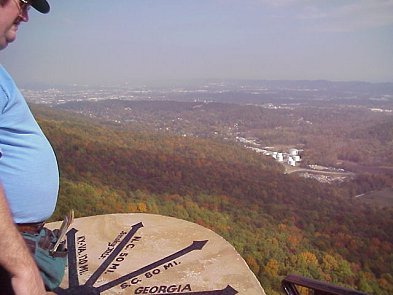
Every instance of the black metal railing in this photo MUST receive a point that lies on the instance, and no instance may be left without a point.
(298, 285)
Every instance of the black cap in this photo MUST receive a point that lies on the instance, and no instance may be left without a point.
(41, 5)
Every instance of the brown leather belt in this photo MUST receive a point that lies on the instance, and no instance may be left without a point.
(31, 228)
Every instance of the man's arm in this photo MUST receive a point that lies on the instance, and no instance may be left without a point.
(15, 256)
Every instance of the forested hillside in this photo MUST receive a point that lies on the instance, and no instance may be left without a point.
(281, 224)
(351, 134)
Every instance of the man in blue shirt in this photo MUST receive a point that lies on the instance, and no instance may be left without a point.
(29, 176)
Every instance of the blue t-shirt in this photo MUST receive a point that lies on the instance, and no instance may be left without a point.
(28, 166)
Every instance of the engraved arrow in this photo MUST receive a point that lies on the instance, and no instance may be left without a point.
(73, 280)
(113, 255)
(196, 245)
(79, 290)
(88, 290)
(72, 269)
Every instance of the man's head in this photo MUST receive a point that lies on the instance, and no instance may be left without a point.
(12, 13)
(40, 5)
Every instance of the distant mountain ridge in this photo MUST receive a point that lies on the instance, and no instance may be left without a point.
(237, 83)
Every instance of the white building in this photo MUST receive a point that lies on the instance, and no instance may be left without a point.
(293, 152)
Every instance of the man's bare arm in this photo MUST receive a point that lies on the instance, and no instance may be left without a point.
(15, 256)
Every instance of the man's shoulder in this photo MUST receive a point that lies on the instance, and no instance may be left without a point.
(8, 89)
(3, 73)
(6, 81)
(4, 87)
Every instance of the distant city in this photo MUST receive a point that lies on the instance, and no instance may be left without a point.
(231, 91)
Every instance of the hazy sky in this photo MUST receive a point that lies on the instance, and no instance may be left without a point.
(118, 41)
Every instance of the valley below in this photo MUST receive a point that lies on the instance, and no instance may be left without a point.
(296, 176)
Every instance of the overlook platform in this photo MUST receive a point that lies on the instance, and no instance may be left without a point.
(151, 254)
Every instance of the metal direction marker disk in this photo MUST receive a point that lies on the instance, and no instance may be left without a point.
(151, 254)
